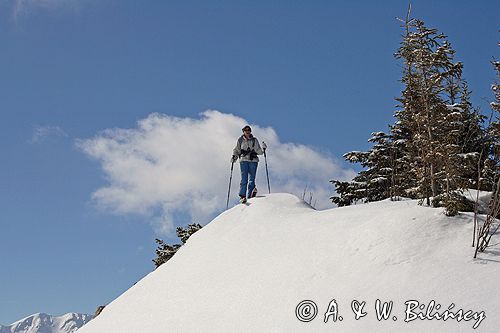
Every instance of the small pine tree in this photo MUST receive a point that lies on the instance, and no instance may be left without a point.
(185, 233)
(164, 252)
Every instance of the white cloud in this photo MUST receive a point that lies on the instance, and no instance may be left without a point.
(41, 133)
(23, 7)
(176, 165)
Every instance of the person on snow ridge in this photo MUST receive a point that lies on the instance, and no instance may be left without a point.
(247, 148)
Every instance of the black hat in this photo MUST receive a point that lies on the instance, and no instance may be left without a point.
(246, 128)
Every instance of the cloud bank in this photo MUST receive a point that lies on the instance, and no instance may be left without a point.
(170, 165)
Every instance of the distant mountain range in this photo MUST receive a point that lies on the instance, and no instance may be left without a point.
(44, 323)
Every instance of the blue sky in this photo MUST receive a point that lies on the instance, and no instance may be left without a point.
(315, 78)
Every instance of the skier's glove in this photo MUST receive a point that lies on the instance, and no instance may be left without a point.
(264, 146)
(234, 158)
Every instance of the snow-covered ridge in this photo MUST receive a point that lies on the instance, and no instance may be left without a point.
(44, 323)
(251, 267)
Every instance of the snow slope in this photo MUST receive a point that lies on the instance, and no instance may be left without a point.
(44, 323)
(248, 270)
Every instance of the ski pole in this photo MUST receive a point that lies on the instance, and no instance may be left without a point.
(229, 189)
(267, 172)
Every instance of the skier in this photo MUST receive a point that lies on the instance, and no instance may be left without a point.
(247, 148)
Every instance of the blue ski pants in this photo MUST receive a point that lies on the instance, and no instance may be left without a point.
(248, 172)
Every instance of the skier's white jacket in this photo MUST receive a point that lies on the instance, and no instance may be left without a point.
(243, 145)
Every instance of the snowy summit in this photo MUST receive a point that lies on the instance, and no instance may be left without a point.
(277, 265)
(44, 323)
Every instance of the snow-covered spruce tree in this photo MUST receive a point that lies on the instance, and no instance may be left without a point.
(346, 192)
(461, 147)
(473, 141)
(405, 183)
(428, 63)
(494, 133)
(164, 252)
(381, 178)
(380, 167)
(491, 170)
(435, 146)
(488, 229)
(494, 128)
(444, 137)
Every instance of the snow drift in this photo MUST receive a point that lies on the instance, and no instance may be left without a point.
(251, 268)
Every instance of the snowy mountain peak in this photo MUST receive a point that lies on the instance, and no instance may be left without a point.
(277, 265)
(44, 323)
